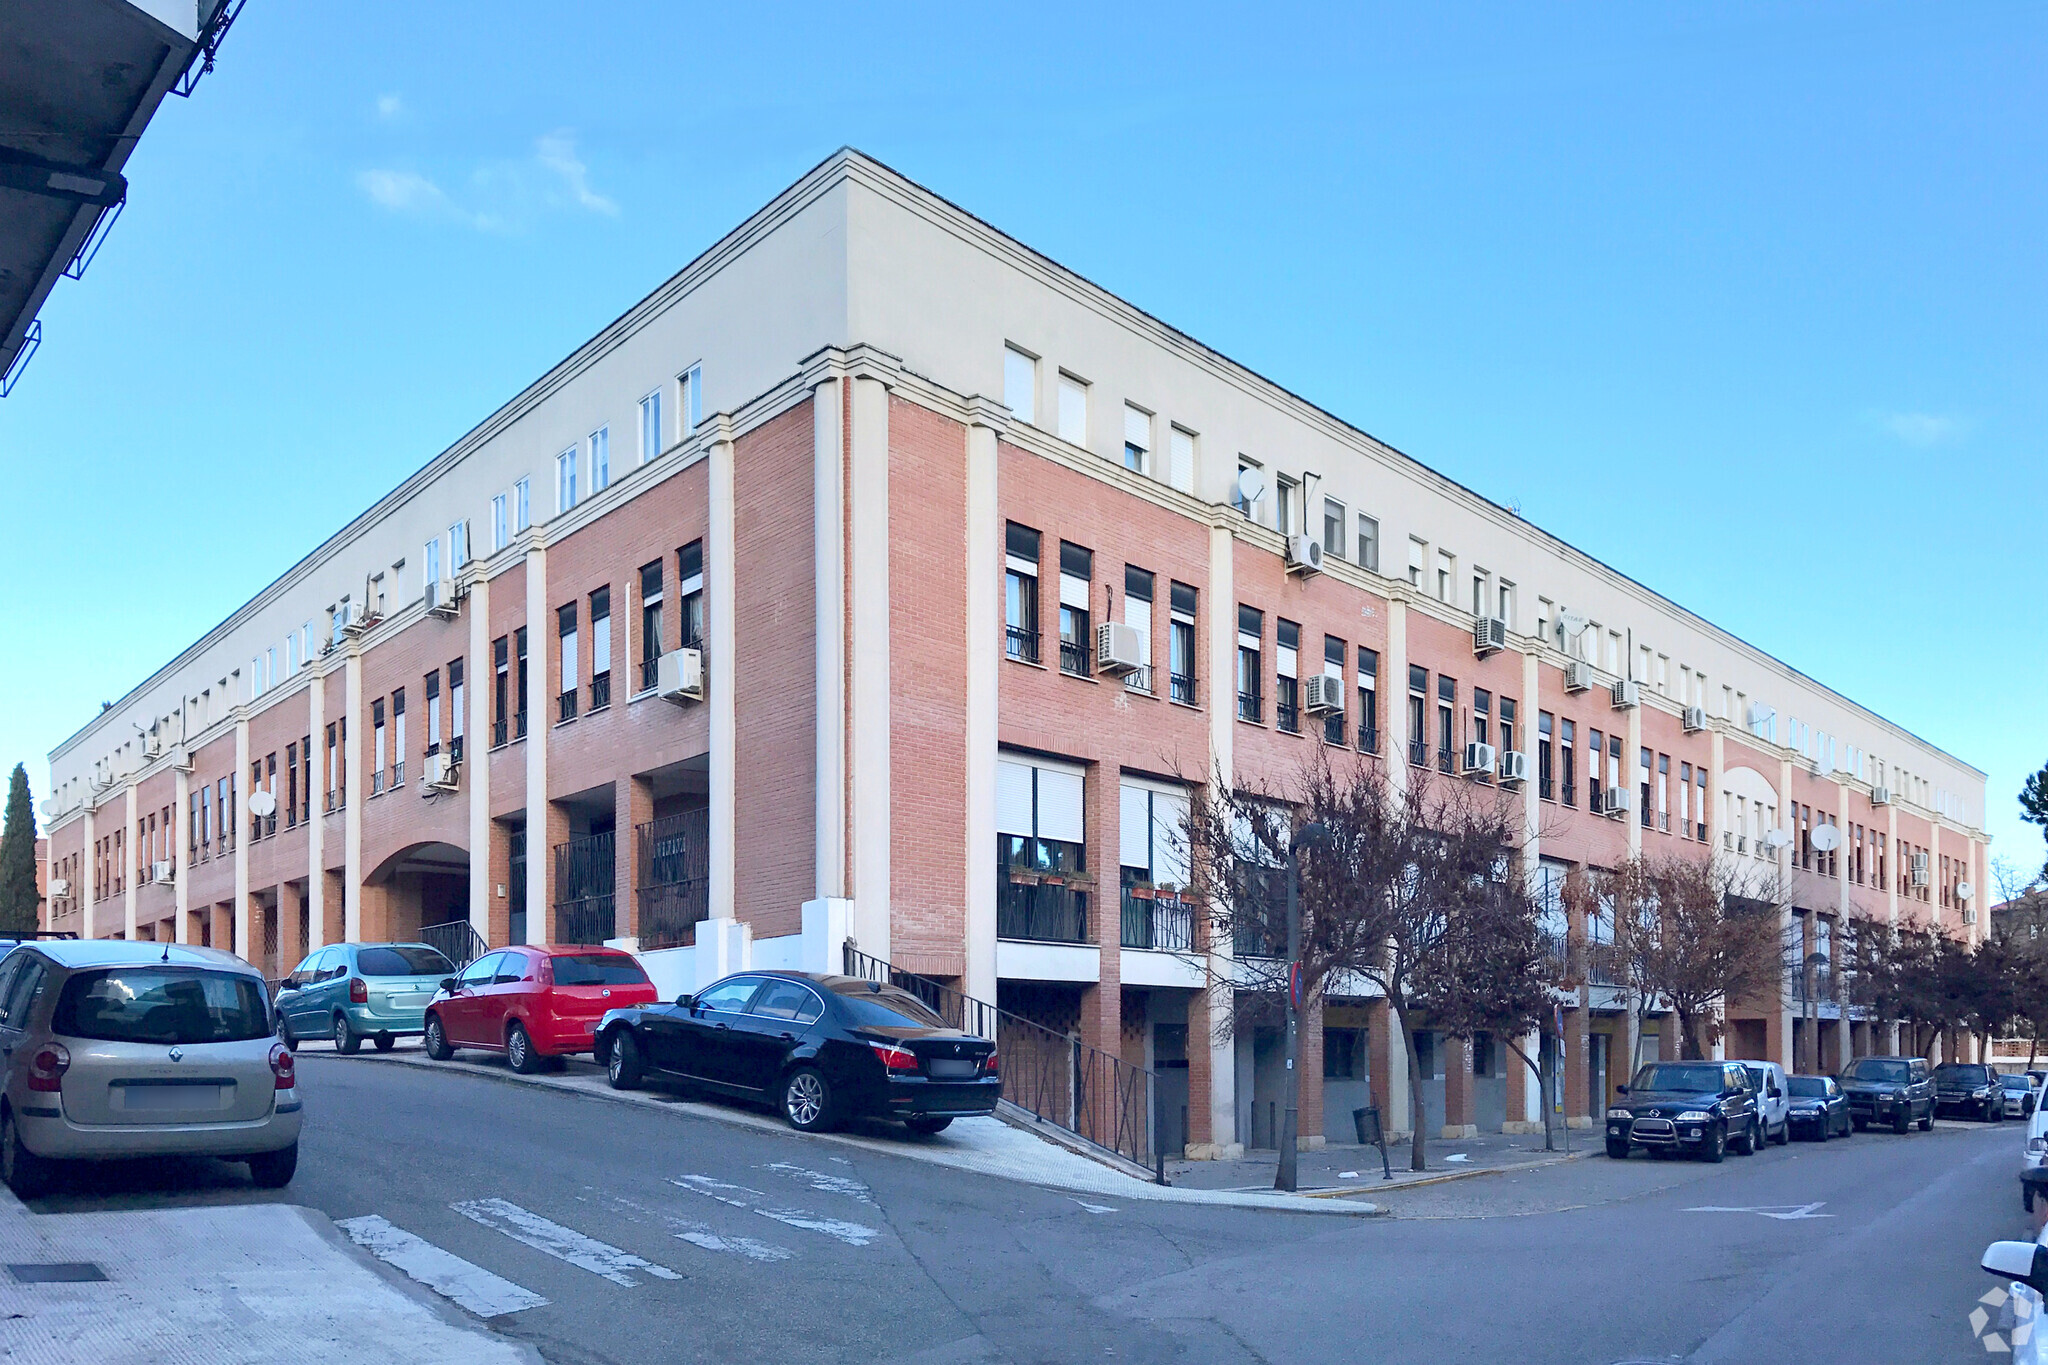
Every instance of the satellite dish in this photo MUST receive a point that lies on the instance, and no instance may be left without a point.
(1571, 623)
(262, 804)
(1827, 838)
(1964, 891)
(1251, 486)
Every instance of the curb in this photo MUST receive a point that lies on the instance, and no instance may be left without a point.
(1446, 1178)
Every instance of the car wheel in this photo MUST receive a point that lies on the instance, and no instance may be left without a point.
(807, 1100)
(622, 1064)
(285, 1034)
(385, 1042)
(1927, 1121)
(437, 1040)
(346, 1040)
(1617, 1151)
(27, 1174)
(1746, 1145)
(1902, 1121)
(1717, 1145)
(928, 1126)
(519, 1050)
(1785, 1134)
(274, 1170)
(1856, 1125)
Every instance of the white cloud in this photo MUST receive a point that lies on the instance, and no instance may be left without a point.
(390, 106)
(557, 152)
(1922, 428)
(403, 191)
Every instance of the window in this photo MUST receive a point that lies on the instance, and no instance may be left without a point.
(1137, 439)
(1446, 575)
(377, 746)
(565, 635)
(1699, 808)
(455, 709)
(565, 480)
(1180, 642)
(1417, 552)
(1020, 592)
(1020, 384)
(337, 781)
(430, 690)
(1286, 497)
(1333, 528)
(1287, 681)
(690, 593)
(650, 624)
(1504, 602)
(650, 426)
(1251, 642)
(1482, 716)
(519, 682)
(431, 574)
(1446, 722)
(1333, 667)
(1595, 798)
(1180, 446)
(1546, 725)
(1248, 506)
(1368, 700)
(522, 504)
(1368, 543)
(501, 696)
(1664, 792)
(1152, 853)
(600, 459)
(1138, 616)
(1482, 592)
(690, 392)
(1073, 413)
(1039, 847)
(398, 738)
(1507, 725)
(1418, 715)
(458, 545)
(600, 649)
(501, 525)
(1077, 571)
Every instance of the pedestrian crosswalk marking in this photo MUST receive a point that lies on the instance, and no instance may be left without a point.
(564, 1244)
(470, 1286)
(740, 1197)
(702, 1234)
(821, 1181)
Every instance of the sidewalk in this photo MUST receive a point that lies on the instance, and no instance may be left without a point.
(1336, 1172)
(219, 1285)
(979, 1146)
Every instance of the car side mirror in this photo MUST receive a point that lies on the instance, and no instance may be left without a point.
(448, 984)
(2026, 1262)
(287, 985)
(1621, 1090)
(1775, 1092)
(686, 1001)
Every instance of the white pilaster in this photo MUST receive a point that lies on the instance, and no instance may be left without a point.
(1394, 689)
(721, 631)
(828, 533)
(358, 790)
(984, 579)
(1532, 810)
(1631, 756)
(87, 928)
(477, 679)
(181, 836)
(868, 485)
(131, 851)
(316, 802)
(1221, 996)
(538, 908)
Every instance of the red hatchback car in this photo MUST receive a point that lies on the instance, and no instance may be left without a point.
(533, 1004)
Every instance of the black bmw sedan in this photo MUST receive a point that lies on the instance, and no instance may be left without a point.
(822, 1048)
(1699, 1107)
(1818, 1109)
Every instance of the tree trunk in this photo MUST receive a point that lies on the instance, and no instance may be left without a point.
(1417, 1158)
(1542, 1086)
(2032, 1044)
(1688, 1036)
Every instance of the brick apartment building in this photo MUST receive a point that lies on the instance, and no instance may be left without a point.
(767, 620)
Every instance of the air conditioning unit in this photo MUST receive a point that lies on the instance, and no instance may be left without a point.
(1695, 719)
(152, 746)
(1304, 554)
(1617, 802)
(353, 617)
(1514, 768)
(441, 599)
(1325, 695)
(1578, 676)
(1919, 869)
(163, 871)
(60, 888)
(441, 774)
(181, 759)
(1479, 759)
(1628, 693)
(1489, 634)
(679, 677)
(1119, 649)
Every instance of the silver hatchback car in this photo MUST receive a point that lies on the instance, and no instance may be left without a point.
(118, 1049)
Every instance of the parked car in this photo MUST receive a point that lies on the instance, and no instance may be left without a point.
(352, 991)
(1698, 1107)
(534, 1004)
(2018, 1094)
(822, 1048)
(1768, 1080)
(1968, 1088)
(1818, 1109)
(119, 1049)
(1893, 1090)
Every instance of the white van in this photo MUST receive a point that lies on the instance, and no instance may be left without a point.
(1771, 1099)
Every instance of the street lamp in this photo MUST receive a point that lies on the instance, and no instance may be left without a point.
(1307, 836)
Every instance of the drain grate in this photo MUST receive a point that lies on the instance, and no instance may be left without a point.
(57, 1272)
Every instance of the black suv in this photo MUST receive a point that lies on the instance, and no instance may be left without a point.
(1698, 1107)
(1893, 1090)
(1968, 1088)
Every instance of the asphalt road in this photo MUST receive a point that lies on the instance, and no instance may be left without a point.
(657, 1236)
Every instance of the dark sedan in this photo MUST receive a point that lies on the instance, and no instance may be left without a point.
(823, 1049)
(1699, 1107)
(1818, 1109)
(1967, 1088)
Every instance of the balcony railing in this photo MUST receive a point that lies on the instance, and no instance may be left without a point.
(1074, 657)
(1287, 715)
(1368, 739)
(499, 733)
(519, 724)
(1139, 679)
(1446, 760)
(1021, 642)
(1418, 752)
(1156, 920)
(673, 885)
(565, 706)
(588, 919)
(650, 673)
(600, 691)
(1251, 706)
(1183, 685)
(1030, 905)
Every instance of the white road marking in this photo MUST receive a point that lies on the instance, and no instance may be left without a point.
(1783, 1212)
(1457, 1156)
(470, 1286)
(702, 1234)
(822, 1182)
(564, 1244)
(1093, 1208)
(740, 1197)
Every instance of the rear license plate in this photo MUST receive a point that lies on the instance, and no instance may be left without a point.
(952, 1069)
(166, 1097)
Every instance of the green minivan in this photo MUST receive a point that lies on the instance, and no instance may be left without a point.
(352, 991)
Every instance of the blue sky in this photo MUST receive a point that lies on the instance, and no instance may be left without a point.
(1781, 271)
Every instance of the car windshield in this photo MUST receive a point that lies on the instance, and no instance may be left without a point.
(2015, 1082)
(1807, 1087)
(1963, 1073)
(402, 960)
(597, 969)
(162, 1005)
(885, 1007)
(1679, 1076)
(1756, 1076)
(1870, 1069)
